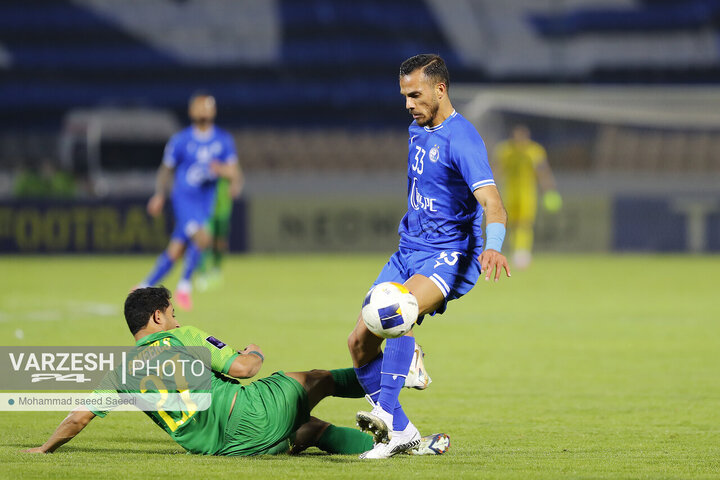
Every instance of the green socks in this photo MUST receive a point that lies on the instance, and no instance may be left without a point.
(344, 440)
(346, 383)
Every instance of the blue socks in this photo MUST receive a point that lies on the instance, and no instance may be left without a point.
(192, 258)
(395, 366)
(162, 267)
(164, 264)
(369, 377)
(384, 377)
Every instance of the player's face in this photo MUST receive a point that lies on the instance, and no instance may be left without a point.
(167, 318)
(521, 134)
(421, 98)
(202, 110)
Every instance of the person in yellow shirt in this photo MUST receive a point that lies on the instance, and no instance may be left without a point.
(520, 164)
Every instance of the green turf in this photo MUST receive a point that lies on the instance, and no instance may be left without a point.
(581, 367)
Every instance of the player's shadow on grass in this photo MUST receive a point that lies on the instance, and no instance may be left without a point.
(119, 449)
(122, 450)
(315, 455)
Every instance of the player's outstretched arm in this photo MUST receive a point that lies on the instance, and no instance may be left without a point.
(248, 363)
(66, 431)
(237, 181)
(163, 184)
(496, 218)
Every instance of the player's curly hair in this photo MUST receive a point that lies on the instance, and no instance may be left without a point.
(140, 304)
(433, 67)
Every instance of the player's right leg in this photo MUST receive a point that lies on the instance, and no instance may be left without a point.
(164, 263)
(199, 241)
(320, 384)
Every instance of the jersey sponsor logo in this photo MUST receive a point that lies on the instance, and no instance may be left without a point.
(197, 174)
(390, 316)
(449, 260)
(435, 154)
(215, 342)
(418, 200)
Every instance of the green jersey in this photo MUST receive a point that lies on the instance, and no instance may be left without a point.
(223, 199)
(197, 431)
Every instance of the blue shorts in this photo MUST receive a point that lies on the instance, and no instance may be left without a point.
(454, 273)
(191, 216)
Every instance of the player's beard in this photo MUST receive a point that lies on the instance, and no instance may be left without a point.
(432, 113)
(202, 122)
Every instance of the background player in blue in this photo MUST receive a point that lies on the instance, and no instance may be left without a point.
(194, 157)
(441, 255)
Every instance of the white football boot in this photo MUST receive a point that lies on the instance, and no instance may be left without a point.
(417, 376)
(400, 442)
(435, 444)
(377, 423)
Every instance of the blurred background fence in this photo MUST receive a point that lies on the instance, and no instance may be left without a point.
(622, 93)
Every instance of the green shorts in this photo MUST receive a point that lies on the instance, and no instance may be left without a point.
(266, 414)
(219, 227)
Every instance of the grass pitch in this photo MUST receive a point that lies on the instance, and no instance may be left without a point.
(581, 367)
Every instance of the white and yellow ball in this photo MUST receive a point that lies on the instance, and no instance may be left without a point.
(389, 310)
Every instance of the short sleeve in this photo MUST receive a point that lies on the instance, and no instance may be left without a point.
(171, 153)
(470, 157)
(221, 354)
(100, 413)
(229, 152)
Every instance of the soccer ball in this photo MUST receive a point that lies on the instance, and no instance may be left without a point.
(389, 310)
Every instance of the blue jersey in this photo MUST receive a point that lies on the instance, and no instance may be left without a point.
(190, 152)
(446, 164)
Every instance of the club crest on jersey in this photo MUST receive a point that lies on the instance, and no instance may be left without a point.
(434, 154)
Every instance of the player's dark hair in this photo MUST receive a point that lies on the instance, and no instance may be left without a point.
(433, 67)
(199, 94)
(140, 304)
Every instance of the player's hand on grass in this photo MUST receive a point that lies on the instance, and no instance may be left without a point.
(155, 204)
(493, 260)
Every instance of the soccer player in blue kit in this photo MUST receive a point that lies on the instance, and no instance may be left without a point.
(194, 158)
(441, 254)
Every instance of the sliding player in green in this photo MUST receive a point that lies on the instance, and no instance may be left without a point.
(268, 416)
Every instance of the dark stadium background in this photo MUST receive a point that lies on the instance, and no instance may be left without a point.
(623, 94)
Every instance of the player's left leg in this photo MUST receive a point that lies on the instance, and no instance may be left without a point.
(330, 438)
(199, 241)
(221, 241)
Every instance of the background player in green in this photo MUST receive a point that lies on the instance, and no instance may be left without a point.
(268, 416)
(209, 273)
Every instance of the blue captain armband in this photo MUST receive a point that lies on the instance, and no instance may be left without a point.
(495, 233)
